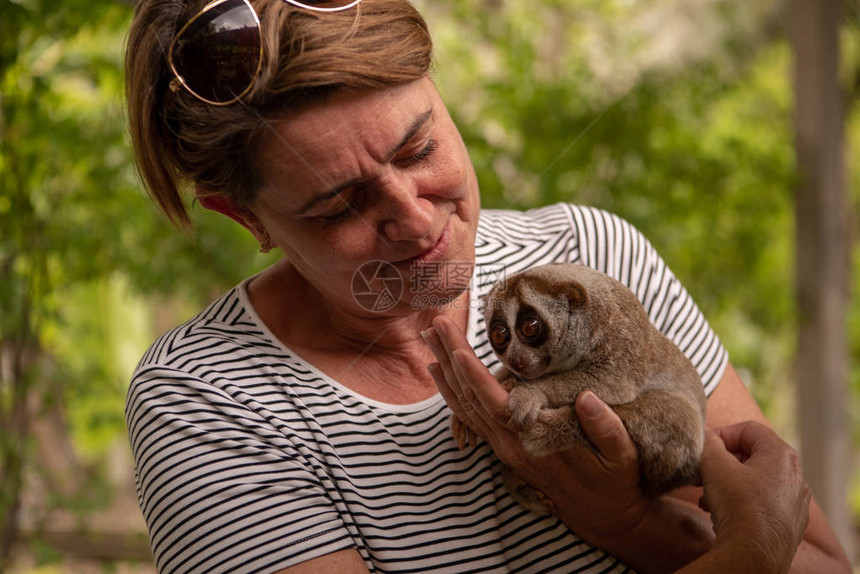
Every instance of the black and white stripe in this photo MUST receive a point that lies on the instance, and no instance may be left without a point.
(248, 459)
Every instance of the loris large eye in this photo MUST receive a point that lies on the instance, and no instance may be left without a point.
(532, 330)
(499, 335)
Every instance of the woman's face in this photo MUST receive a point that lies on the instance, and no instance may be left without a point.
(369, 177)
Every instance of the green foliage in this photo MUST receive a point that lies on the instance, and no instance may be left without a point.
(79, 236)
(572, 101)
(561, 100)
(63, 167)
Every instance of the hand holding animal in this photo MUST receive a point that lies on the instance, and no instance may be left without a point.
(562, 329)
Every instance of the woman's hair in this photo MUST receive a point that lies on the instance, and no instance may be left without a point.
(307, 56)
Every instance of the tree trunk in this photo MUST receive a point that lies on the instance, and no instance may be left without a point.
(823, 258)
(14, 426)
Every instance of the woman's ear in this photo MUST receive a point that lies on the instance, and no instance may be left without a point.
(227, 206)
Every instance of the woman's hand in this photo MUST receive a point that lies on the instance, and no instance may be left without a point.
(758, 499)
(596, 491)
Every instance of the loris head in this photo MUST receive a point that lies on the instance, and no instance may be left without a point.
(538, 322)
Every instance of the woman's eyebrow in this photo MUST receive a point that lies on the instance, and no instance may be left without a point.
(414, 128)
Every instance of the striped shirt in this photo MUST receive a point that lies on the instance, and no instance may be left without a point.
(249, 459)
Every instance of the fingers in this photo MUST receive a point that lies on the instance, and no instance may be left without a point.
(715, 456)
(714, 463)
(467, 377)
(463, 420)
(745, 438)
(479, 383)
(435, 370)
(749, 472)
(445, 368)
(464, 408)
(472, 392)
(604, 429)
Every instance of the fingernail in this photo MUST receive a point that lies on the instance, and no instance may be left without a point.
(590, 405)
(433, 369)
(440, 327)
(430, 338)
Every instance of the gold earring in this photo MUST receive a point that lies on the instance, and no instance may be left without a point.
(265, 243)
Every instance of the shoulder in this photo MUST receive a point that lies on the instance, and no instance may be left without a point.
(518, 240)
(512, 241)
(217, 357)
(580, 222)
(225, 332)
(509, 224)
(561, 232)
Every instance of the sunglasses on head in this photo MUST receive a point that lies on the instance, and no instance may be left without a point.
(216, 56)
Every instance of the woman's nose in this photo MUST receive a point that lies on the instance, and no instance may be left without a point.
(406, 215)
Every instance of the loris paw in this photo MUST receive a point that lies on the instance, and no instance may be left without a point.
(463, 435)
(531, 498)
(524, 406)
(508, 384)
(535, 441)
(554, 430)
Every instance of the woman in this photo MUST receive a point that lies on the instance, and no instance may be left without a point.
(293, 426)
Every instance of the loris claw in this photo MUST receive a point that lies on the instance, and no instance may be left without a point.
(462, 433)
(554, 430)
(524, 406)
(508, 383)
(562, 329)
(532, 498)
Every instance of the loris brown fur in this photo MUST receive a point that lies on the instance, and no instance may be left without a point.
(562, 329)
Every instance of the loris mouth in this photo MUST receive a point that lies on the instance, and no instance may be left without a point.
(526, 370)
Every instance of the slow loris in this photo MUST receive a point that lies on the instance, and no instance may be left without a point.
(561, 329)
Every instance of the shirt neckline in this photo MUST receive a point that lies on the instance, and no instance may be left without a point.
(242, 292)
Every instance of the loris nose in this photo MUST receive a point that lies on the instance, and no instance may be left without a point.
(517, 364)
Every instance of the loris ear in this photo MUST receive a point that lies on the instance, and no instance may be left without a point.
(577, 296)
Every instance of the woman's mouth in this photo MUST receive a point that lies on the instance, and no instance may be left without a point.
(435, 253)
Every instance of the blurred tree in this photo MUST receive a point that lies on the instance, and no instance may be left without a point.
(73, 216)
(823, 256)
(675, 115)
(61, 147)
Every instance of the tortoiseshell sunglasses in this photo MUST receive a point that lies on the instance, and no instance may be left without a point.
(216, 56)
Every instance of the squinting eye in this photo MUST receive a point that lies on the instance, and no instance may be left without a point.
(350, 204)
(421, 155)
(340, 216)
(531, 329)
(499, 335)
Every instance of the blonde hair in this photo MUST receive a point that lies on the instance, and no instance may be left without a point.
(307, 56)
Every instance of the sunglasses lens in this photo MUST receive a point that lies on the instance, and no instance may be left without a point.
(217, 55)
